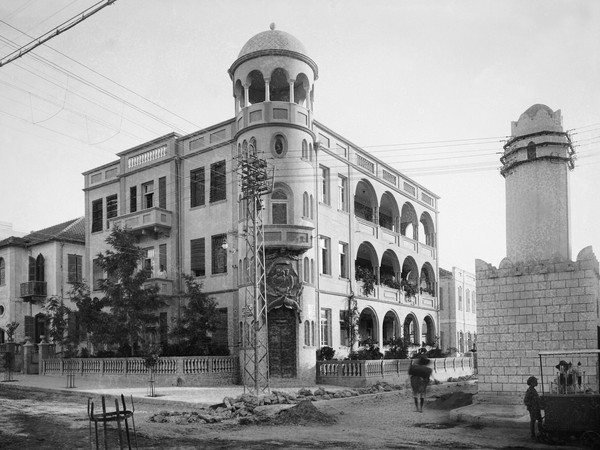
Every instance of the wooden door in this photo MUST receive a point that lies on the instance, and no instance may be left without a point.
(282, 343)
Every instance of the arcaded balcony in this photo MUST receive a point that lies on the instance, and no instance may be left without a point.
(147, 221)
(292, 237)
(32, 291)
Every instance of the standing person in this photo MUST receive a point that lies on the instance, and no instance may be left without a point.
(533, 403)
(419, 379)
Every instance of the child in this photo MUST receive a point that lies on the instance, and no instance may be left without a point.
(532, 401)
(419, 379)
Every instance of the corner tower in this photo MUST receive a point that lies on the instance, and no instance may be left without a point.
(273, 87)
(536, 163)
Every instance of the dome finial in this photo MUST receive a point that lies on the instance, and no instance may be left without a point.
(272, 26)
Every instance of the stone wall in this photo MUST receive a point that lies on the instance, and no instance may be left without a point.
(526, 308)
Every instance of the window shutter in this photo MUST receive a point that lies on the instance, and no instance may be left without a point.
(197, 187)
(197, 252)
(29, 327)
(218, 182)
(31, 269)
(133, 199)
(72, 265)
(39, 268)
(162, 192)
(97, 215)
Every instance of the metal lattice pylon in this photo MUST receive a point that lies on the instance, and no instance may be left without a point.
(256, 182)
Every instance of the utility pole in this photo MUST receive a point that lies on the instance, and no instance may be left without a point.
(255, 182)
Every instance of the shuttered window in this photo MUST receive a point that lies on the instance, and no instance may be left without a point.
(197, 252)
(162, 257)
(133, 199)
(162, 192)
(98, 274)
(218, 178)
(75, 263)
(111, 208)
(197, 187)
(97, 215)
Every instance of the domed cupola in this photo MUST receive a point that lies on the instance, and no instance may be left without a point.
(273, 69)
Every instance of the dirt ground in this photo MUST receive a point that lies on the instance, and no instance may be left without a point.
(33, 420)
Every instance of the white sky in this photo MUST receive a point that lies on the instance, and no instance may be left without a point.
(390, 73)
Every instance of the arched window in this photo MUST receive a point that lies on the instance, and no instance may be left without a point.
(307, 333)
(468, 300)
(310, 152)
(311, 207)
(305, 205)
(461, 342)
(279, 208)
(460, 300)
(312, 333)
(304, 149)
(2, 272)
(531, 151)
(306, 268)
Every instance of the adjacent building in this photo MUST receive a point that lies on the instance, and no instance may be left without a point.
(458, 316)
(35, 267)
(335, 212)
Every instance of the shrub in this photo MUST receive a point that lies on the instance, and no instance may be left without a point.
(398, 349)
(369, 351)
(325, 353)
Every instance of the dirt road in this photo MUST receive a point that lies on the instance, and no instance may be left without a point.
(33, 420)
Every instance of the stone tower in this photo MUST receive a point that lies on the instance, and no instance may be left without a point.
(538, 299)
(536, 163)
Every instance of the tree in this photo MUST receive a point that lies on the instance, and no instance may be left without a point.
(58, 322)
(199, 319)
(128, 310)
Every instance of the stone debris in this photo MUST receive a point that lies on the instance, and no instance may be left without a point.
(248, 409)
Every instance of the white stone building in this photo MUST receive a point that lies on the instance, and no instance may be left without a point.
(333, 208)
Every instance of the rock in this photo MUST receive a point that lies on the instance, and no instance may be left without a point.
(326, 397)
(227, 402)
(305, 392)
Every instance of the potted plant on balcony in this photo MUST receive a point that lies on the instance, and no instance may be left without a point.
(11, 327)
(368, 279)
(409, 288)
(391, 282)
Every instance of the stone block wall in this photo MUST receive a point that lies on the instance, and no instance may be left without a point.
(529, 307)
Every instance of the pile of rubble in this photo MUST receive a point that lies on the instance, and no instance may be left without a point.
(246, 405)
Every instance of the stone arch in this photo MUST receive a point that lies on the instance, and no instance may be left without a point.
(301, 90)
(256, 90)
(281, 204)
(410, 272)
(411, 329)
(366, 256)
(391, 327)
(238, 93)
(428, 331)
(427, 281)
(365, 201)
(368, 325)
(389, 269)
(426, 233)
(388, 212)
(279, 85)
(409, 225)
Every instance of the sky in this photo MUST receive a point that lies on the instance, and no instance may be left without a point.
(430, 87)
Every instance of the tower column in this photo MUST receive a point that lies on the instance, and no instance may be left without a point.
(292, 81)
(267, 90)
(246, 94)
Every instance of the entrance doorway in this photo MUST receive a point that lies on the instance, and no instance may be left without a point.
(282, 342)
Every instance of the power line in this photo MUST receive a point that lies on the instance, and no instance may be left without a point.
(65, 26)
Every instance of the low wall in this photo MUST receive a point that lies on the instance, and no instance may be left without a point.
(169, 371)
(393, 371)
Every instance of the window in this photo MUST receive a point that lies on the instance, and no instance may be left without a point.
(441, 299)
(2, 271)
(345, 327)
(325, 327)
(148, 195)
(75, 267)
(279, 207)
(468, 300)
(162, 192)
(324, 188)
(96, 215)
(133, 199)
(342, 193)
(325, 247)
(219, 254)
(531, 151)
(279, 147)
(111, 207)
(218, 180)
(306, 269)
(311, 206)
(305, 206)
(343, 249)
(162, 259)
(197, 257)
(197, 187)
(307, 333)
(460, 305)
(304, 149)
(97, 275)
(148, 263)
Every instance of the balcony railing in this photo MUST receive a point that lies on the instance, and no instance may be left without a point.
(151, 220)
(32, 290)
(293, 237)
